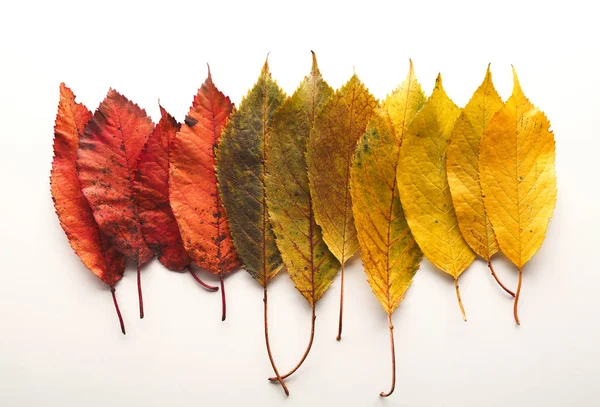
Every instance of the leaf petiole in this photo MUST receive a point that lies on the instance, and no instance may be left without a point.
(202, 283)
(278, 377)
(139, 286)
(462, 309)
(517, 296)
(389, 393)
(498, 280)
(112, 291)
(310, 342)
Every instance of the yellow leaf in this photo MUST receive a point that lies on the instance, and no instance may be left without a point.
(339, 125)
(463, 171)
(389, 252)
(423, 186)
(518, 179)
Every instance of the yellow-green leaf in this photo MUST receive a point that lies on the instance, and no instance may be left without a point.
(517, 177)
(423, 186)
(389, 252)
(338, 127)
(311, 265)
(463, 168)
(241, 175)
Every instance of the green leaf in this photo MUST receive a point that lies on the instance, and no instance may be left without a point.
(241, 172)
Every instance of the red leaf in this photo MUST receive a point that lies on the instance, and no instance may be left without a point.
(159, 227)
(107, 161)
(193, 189)
(72, 208)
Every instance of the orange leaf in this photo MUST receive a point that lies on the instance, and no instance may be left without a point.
(193, 189)
(72, 208)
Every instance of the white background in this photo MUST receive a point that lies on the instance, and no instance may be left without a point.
(60, 344)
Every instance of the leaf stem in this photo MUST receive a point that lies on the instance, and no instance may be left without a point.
(310, 342)
(139, 286)
(202, 283)
(278, 377)
(517, 296)
(462, 309)
(112, 291)
(223, 302)
(497, 280)
(382, 394)
(339, 335)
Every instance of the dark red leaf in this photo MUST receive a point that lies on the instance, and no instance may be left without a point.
(159, 227)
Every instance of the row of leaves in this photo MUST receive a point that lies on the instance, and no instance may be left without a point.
(304, 182)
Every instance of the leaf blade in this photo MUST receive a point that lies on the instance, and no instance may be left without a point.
(518, 176)
(423, 185)
(193, 187)
(107, 159)
(338, 127)
(389, 252)
(309, 262)
(463, 168)
(72, 208)
(159, 226)
(241, 176)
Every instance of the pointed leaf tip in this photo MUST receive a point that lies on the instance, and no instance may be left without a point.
(488, 74)
(516, 83)
(161, 108)
(114, 94)
(65, 91)
(163, 111)
(209, 75)
(438, 85)
(315, 66)
(265, 68)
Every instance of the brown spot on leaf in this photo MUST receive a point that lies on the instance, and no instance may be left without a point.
(190, 121)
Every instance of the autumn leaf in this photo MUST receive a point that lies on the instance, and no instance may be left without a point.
(518, 180)
(389, 252)
(72, 208)
(158, 223)
(423, 187)
(338, 127)
(463, 171)
(311, 265)
(107, 159)
(241, 172)
(193, 192)
(159, 226)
